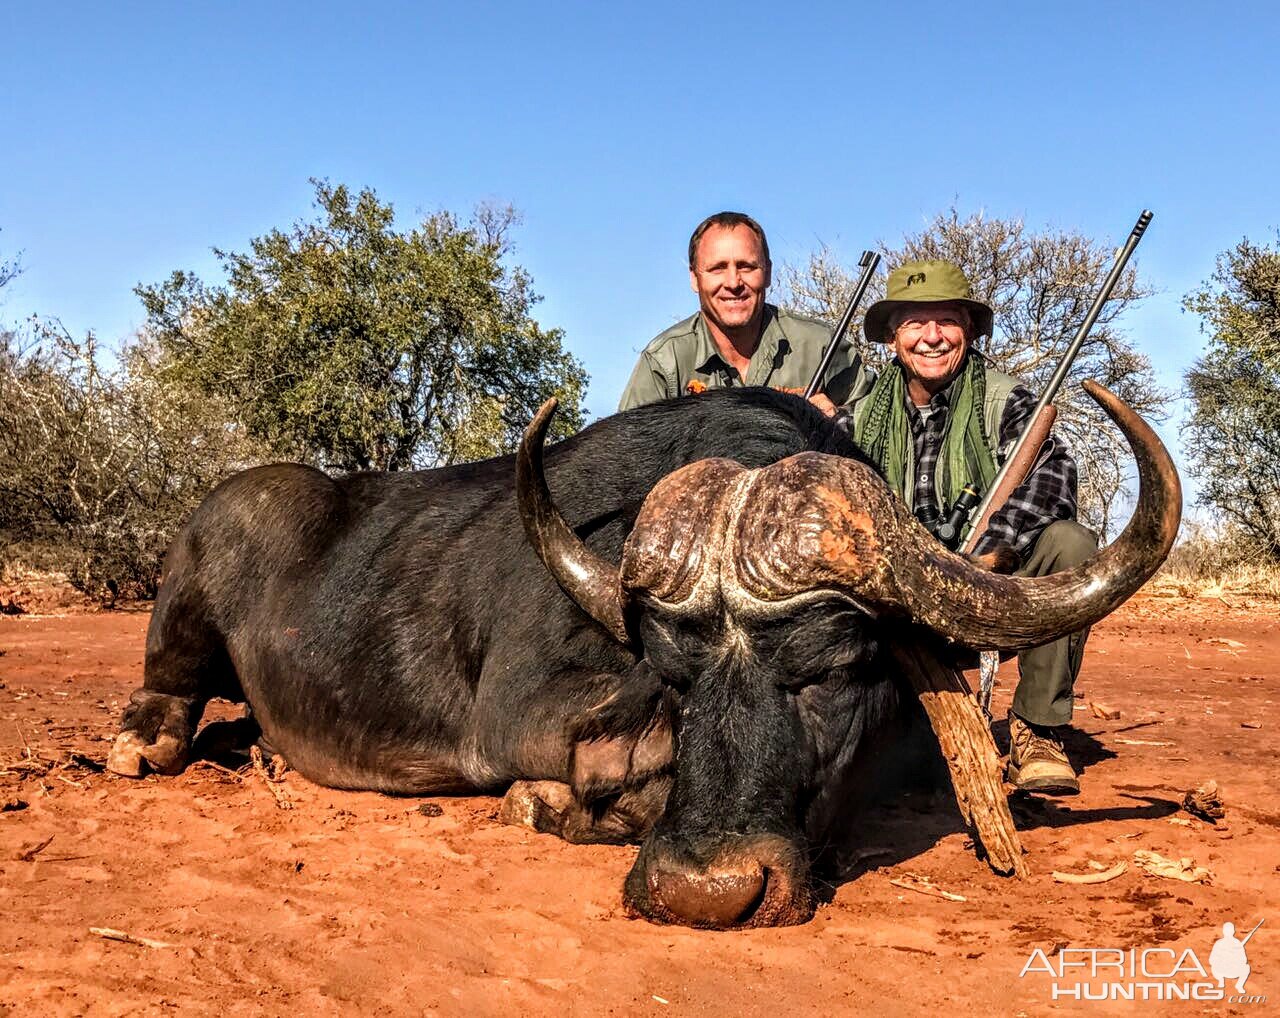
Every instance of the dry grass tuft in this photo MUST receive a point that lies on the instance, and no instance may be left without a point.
(1212, 561)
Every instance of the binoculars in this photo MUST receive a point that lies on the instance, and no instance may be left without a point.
(948, 528)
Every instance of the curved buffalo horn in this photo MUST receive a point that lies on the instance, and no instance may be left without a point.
(592, 583)
(981, 609)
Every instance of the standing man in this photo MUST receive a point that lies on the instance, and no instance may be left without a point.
(938, 418)
(736, 338)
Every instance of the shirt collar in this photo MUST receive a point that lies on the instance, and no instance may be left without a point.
(763, 360)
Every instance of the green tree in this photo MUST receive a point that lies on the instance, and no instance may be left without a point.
(1041, 285)
(1233, 435)
(352, 345)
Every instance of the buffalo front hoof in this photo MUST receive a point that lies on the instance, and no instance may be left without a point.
(538, 805)
(155, 733)
(126, 756)
(131, 755)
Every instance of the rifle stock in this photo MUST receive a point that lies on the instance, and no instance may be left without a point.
(1023, 459)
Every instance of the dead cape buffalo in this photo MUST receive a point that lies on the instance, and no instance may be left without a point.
(708, 694)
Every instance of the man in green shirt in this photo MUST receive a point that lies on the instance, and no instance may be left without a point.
(736, 338)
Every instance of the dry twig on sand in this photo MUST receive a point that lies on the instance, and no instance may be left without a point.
(127, 938)
(260, 768)
(214, 766)
(923, 885)
(29, 854)
(1101, 877)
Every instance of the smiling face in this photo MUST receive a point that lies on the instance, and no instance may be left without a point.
(930, 341)
(730, 276)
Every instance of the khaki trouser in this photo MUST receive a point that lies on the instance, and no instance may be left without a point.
(1048, 673)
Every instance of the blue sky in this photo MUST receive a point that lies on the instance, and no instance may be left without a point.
(135, 137)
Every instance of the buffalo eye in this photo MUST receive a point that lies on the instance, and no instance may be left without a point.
(676, 648)
(813, 641)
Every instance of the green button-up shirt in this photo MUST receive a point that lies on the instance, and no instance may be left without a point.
(788, 354)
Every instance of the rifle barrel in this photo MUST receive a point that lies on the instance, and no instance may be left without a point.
(1064, 366)
(868, 263)
(1113, 277)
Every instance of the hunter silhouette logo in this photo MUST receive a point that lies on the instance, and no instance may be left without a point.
(915, 277)
(1227, 960)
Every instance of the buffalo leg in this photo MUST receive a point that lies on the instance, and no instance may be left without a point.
(617, 790)
(186, 665)
(618, 771)
(550, 807)
(155, 732)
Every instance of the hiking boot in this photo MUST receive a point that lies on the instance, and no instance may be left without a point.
(1037, 761)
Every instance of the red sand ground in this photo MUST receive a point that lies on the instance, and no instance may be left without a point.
(357, 903)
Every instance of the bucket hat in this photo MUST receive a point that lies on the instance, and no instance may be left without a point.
(932, 282)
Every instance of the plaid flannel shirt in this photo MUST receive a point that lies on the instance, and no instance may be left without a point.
(1048, 493)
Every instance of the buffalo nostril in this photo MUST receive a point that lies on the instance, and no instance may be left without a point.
(709, 898)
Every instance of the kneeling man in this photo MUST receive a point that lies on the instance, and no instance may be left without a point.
(940, 417)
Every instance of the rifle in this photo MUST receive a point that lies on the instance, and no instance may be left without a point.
(1022, 457)
(868, 263)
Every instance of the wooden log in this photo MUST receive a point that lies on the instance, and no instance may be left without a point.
(966, 742)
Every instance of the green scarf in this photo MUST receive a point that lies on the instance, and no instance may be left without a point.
(884, 433)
